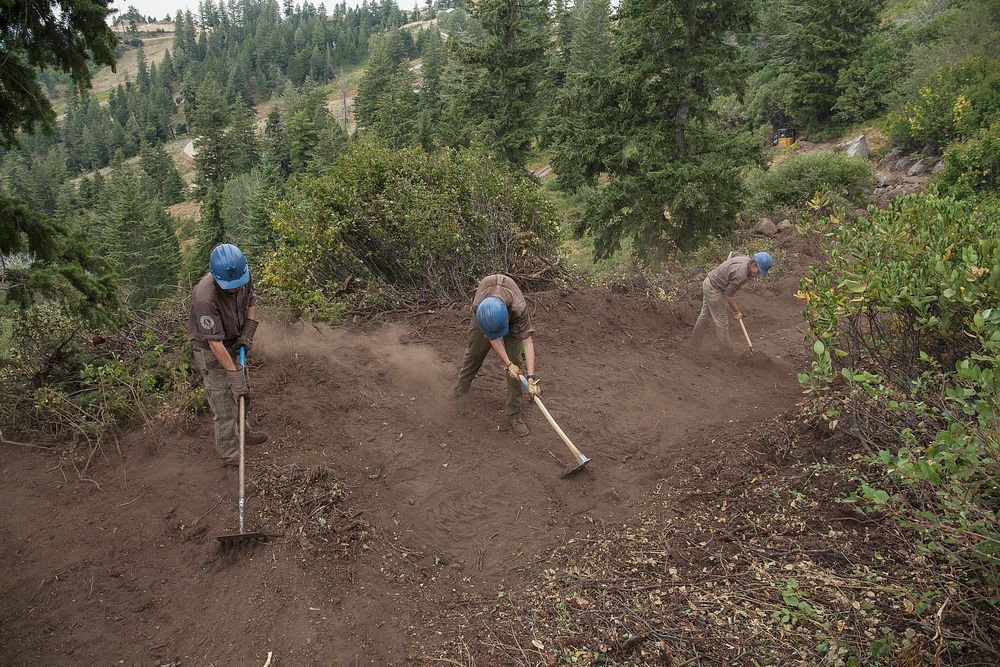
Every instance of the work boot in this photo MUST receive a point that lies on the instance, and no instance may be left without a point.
(517, 425)
(255, 438)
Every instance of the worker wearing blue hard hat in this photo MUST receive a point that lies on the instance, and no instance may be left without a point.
(222, 319)
(719, 294)
(501, 322)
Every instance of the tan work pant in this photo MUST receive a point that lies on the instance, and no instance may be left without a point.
(477, 347)
(225, 411)
(714, 307)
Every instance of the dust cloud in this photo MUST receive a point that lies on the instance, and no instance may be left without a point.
(412, 368)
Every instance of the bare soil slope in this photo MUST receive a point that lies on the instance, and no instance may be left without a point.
(435, 507)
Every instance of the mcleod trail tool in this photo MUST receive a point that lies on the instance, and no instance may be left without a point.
(242, 539)
(581, 460)
(746, 335)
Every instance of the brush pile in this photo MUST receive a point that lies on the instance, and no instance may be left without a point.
(307, 505)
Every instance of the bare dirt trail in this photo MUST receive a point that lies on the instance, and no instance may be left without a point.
(457, 510)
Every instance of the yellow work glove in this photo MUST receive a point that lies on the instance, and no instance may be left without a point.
(533, 388)
(513, 371)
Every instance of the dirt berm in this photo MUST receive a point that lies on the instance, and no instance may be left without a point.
(397, 504)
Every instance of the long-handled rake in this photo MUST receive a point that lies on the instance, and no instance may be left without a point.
(581, 460)
(242, 539)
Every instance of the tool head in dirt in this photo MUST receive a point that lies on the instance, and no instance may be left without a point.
(581, 463)
(240, 541)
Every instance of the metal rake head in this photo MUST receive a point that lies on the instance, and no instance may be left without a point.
(241, 541)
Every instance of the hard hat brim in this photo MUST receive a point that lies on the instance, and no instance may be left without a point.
(493, 335)
(234, 284)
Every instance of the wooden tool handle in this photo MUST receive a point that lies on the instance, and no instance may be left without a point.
(746, 335)
(555, 426)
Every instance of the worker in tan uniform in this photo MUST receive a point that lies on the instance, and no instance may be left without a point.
(501, 322)
(223, 318)
(719, 295)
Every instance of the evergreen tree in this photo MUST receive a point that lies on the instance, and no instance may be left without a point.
(305, 118)
(39, 34)
(434, 59)
(398, 108)
(211, 232)
(159, 175)
(502, 68)
(274, 156)
(247, 203)
(139, 241)
(383, 67)
(806, 44)
(574, 124)
(208, 121)
(241, 140)
(673, 177)
(142, 71)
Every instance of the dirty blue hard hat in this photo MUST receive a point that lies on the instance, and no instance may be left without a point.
(764, 262)
(229, 266)
(492, 318)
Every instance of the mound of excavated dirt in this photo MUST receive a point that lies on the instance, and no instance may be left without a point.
(439, 507)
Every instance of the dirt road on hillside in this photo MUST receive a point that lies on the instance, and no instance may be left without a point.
(122, 569)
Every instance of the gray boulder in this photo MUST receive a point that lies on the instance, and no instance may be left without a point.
(894, 154)
(938, 168)
(903, 163)
(921, 166)
(766, 228)
(785, 226)
(858, 147)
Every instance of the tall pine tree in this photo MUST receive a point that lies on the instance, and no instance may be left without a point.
(673, 176)
(140, 241)
(501, 69)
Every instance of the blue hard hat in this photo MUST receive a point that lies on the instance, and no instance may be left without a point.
(229, 266)
(764, 262)
(491, 316)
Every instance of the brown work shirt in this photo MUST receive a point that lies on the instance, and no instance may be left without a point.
(731, 275)
(217, 314)
(506, 289)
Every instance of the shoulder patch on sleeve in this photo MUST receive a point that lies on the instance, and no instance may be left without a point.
(207, 322)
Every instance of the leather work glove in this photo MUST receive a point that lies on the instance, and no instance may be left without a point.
(513, 371)
(246, 338)
(737, 316)
(533, 388)
(238, 384)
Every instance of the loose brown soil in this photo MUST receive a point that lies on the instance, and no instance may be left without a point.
(428, 506)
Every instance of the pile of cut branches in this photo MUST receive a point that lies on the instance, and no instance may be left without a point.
(769, 569)
(307, 505)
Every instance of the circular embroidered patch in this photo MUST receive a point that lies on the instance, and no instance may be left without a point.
(207, 322)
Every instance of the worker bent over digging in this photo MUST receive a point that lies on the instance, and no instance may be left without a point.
(719, 291)
(501, 321)
(223, 318)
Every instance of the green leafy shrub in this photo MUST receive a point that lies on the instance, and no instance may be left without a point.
(64, 381)
(384, 227)
(864, 83)
(973, 166)
(955, 104)
(797, 179)
(907, 312)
